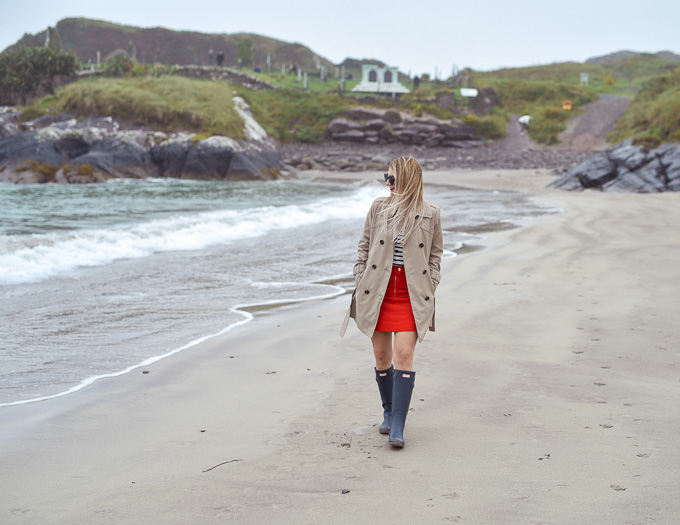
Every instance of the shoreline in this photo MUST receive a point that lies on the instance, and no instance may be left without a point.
(550, 379)
(248, 310)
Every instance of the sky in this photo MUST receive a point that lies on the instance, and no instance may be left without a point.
(417, 36)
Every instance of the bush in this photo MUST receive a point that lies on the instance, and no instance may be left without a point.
(547, 124)
(28, 71)
(489, 127)
(654, 113)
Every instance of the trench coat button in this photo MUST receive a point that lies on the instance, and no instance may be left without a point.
(366, 291)
(424, 272)
(382, 242)
(421, 245)
(427, 297)
(374, 266)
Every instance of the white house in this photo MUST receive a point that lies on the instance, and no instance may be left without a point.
(376, 79)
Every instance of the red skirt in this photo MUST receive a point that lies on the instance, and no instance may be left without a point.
(396, 314)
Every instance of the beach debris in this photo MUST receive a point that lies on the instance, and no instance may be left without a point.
(223, 463)
(606, 426)
(270, 372)
(145, 371)
(618, 487)
(545, 456)
(597, 383)
(347, 445)
(203, 430)
(345, 491)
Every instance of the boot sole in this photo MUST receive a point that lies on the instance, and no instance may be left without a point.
(384, 430)
(397, 443)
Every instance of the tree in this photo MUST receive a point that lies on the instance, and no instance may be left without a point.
(245, 52)
(28, 71)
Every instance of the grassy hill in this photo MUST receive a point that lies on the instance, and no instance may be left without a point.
(85, 37)
(654, 114)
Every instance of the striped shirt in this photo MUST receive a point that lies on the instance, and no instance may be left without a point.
(398, 259)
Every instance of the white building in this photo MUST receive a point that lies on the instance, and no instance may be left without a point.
(376, 79)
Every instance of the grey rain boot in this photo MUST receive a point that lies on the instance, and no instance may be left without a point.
(385, 380)
(401, 399)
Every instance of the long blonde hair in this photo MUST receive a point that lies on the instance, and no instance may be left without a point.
(406, 202)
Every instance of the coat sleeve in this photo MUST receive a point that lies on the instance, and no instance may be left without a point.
(436, 250)
(362, 251)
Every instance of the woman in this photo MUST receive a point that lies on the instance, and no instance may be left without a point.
(397, 272)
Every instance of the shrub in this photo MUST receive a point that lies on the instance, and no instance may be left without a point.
(488, 127)
(27, 71)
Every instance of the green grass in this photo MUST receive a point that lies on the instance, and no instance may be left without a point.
(314, 84)
(289, 115)
(654, 114)
(166, 103)
(542, 99)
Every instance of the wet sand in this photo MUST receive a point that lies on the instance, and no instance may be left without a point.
(547, 395)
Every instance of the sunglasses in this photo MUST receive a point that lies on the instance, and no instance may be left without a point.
(389, 178)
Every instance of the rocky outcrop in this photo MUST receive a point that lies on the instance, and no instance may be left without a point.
(626, 168)
(373, 127)
(62, 148)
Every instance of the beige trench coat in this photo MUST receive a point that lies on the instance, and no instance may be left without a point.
(422, 256)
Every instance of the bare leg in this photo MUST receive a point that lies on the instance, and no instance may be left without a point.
(404, 347)
(382, 348)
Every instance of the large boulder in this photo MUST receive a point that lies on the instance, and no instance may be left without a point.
(171, 155)
(626, 167)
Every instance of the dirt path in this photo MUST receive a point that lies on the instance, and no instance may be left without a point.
(587, 130)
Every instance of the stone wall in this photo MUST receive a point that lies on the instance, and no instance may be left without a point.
(375, 127)
(223, 73)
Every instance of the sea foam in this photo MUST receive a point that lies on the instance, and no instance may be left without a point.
(37, 257)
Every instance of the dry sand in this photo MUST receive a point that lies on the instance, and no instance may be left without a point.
(548, 395)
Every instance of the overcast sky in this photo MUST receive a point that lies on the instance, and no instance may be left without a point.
(415, 35)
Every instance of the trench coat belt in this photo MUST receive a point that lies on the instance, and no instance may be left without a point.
(344, 324)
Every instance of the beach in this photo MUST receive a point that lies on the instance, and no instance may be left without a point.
(547, 395)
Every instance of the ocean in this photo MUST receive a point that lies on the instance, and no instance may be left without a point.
(99, 280)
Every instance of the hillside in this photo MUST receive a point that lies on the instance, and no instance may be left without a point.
(85, 37)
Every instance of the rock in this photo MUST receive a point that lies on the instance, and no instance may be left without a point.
(362, 114)
(36, 146)
(339, 125)
(375, 124)
(171, 155)
(632, 157)
(592, 173)
(433, 140)
(673, 178)
(671, 156)
(353, 135)
(421, 127)
(8, 121)
(627, 168)
(631, 181)
(392, 116)
(209, 159)
(71, 145)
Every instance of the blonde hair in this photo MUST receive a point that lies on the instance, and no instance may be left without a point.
(406, 202)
